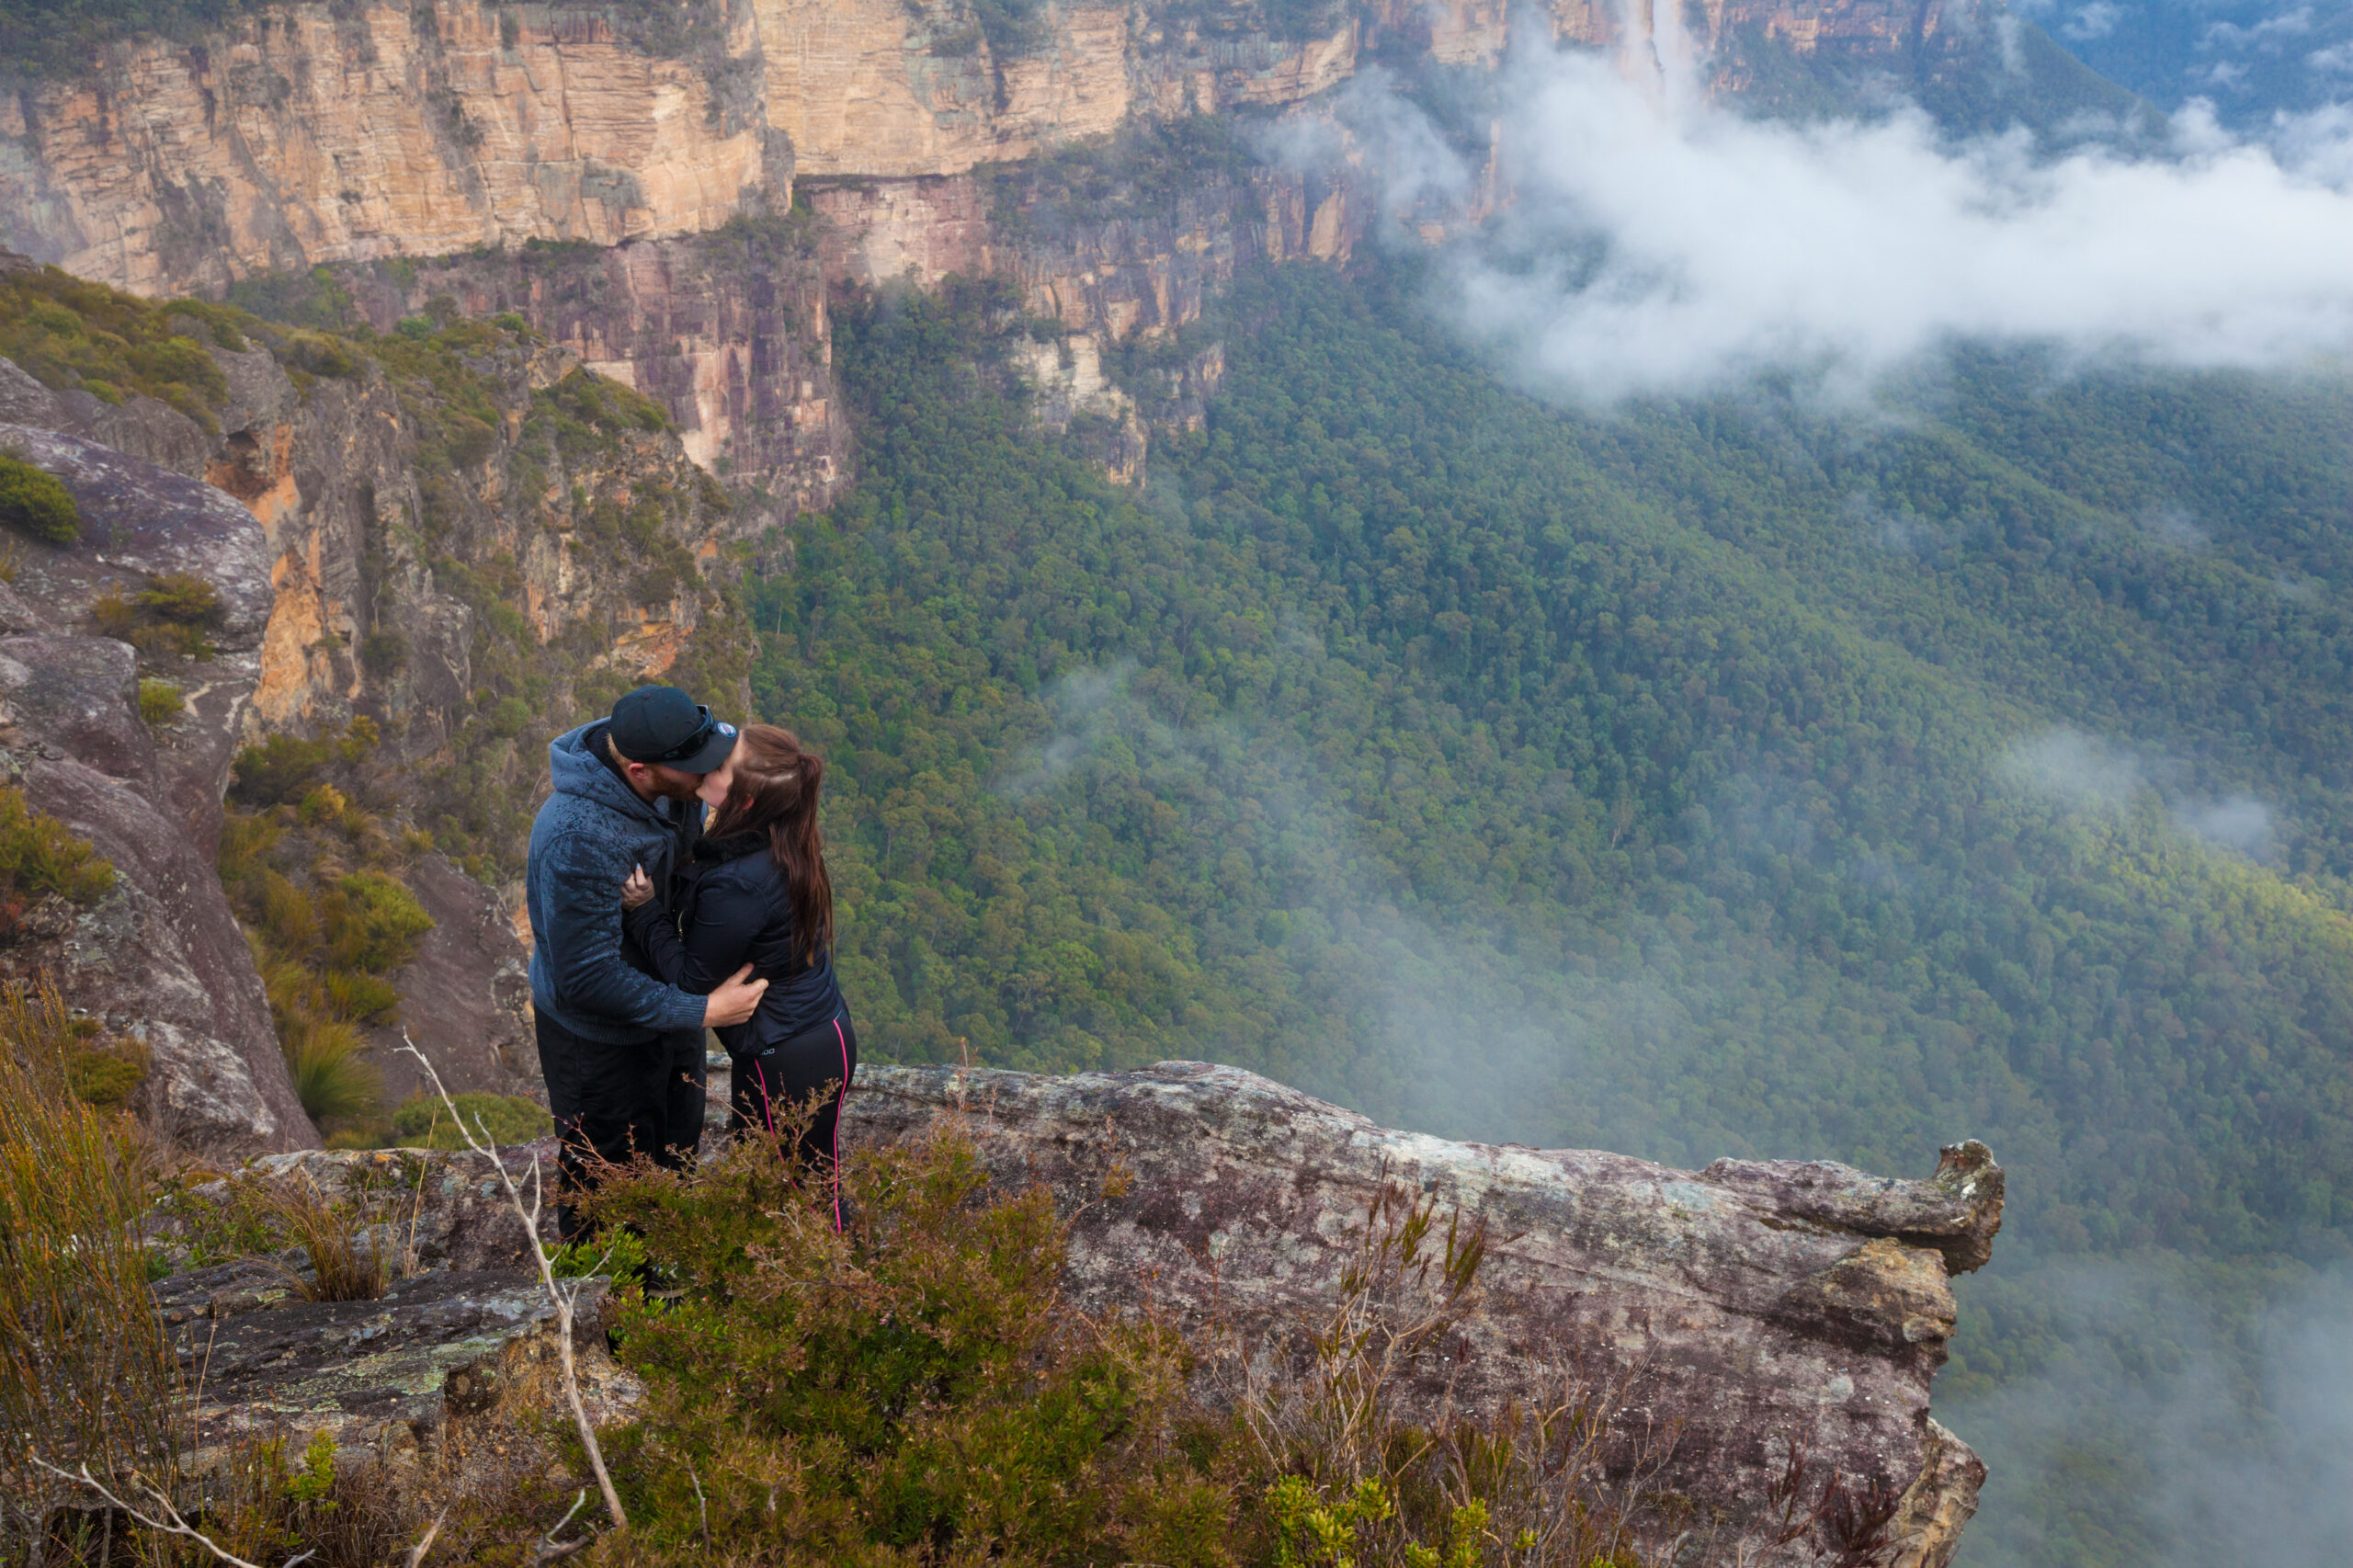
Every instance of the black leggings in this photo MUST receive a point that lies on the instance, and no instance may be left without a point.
(819, 1062)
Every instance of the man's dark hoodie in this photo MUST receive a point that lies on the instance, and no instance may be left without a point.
(585, 975)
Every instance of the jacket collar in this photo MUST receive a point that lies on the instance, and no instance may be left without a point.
(734, 847)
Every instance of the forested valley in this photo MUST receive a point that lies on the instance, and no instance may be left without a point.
(1750, 775)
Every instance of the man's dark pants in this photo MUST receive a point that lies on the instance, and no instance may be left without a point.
(684, 1091)
(611, 1102)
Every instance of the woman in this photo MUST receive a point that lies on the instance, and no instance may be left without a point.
(756, 891)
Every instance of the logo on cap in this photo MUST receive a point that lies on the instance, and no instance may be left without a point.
(725, 728)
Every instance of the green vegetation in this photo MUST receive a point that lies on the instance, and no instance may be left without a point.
(919, 1390)
(35, 502)
(423, 1122)
(314, 876)
(168, 619)
(160, 702)
(1717, 778)
(67, 334)
(39, 855)
(84, 1365)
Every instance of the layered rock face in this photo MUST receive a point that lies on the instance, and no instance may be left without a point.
(313, 133)
(159, 956)
(728, 331)
(1750, 1308)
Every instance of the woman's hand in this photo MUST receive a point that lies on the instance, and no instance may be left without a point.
(637, 890)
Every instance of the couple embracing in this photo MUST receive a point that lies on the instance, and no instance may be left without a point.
(677, 883)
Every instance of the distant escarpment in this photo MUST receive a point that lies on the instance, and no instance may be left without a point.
(669, 192)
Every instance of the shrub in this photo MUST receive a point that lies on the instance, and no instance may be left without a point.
(371, 923)
(332, 1078)
(35, 502)
(38, 855)
(107, 1075)
(915, 1390)
(168, 617)
(86, 1369)
(160, 701)
(423, 1122)
(181, 598)
(282, 769)
(347, 1256)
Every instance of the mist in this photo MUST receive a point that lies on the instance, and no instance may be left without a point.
(2234, 1427)
(1659, 242)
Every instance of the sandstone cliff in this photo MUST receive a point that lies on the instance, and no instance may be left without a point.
(310, 133)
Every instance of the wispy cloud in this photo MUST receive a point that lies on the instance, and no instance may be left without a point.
(1661, 243)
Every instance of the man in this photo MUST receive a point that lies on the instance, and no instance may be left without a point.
(612, 1035)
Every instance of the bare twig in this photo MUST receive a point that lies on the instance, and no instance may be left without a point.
(564, 1298)
(550, 1550)
(172, 1523)
(700, 1504)
(416, 1553)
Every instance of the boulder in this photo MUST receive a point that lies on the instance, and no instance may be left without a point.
(382, 1376)
(1746, 1312)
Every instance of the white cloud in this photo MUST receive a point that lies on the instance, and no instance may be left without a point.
(2094, 21)
(1660, 243)
(2288, 24)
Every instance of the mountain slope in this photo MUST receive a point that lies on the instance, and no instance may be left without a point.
(1720, 777)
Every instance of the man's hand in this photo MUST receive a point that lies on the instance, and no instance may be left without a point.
(734, 1001)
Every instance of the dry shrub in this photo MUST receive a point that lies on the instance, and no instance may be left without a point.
(87, 1372)
(1359, 1458)
(347, 1259)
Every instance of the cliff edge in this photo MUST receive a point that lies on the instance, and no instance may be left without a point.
(1750, 1311)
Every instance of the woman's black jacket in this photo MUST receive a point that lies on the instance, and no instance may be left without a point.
(734, 907)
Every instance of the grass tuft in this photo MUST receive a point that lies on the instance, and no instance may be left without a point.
(35, 502)
(39, 855)
(86, 1370)
(160, 702)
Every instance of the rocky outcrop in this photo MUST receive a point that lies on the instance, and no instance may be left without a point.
(1743, 1314)
(311, 132)
(463, 1339)
(159, 956)
(1755, 1307)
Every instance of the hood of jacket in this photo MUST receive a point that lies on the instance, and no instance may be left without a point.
(577, 770)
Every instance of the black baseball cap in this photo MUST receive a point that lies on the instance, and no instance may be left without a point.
(662, 724)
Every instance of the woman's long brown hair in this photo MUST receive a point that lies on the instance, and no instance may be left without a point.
(775, 790)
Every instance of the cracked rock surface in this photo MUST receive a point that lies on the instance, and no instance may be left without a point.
(1748, 1307)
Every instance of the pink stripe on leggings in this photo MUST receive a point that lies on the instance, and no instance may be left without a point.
(840, 1096)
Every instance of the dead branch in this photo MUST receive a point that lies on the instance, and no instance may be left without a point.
(416, 1553)
(550, 1550)
(172, 1523)
(562, 1298)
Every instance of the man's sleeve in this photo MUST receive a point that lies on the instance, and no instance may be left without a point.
(584, 957)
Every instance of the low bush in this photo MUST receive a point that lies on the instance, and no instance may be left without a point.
(333, 1078)
(423, 1122)
(37, 504)
(347, 1255)
(160, 702)
(170, 617)
(38, 855)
